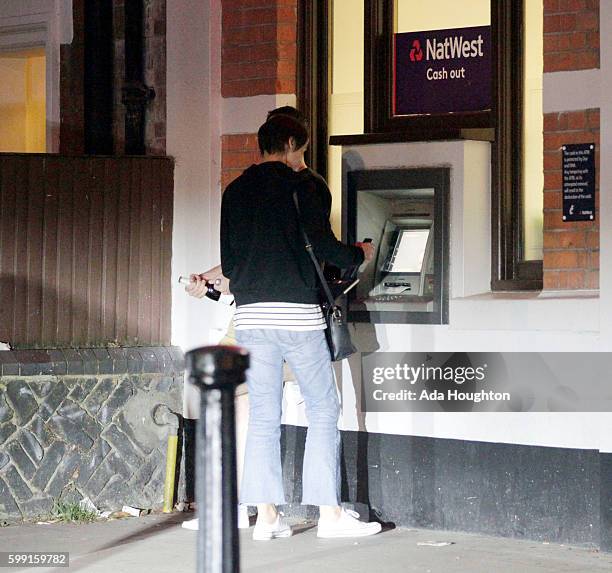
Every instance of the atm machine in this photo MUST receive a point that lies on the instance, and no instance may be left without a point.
(404, 265)
(405, 213)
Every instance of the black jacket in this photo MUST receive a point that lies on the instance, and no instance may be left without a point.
(262, 248)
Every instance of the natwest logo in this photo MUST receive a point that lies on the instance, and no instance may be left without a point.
(416, 53)
(454, 47)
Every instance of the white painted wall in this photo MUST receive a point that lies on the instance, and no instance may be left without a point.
(246, 114)
(567, 91)
(482, 322)
(197, 116)
(193, 138)
(47, 23)
(485, 322)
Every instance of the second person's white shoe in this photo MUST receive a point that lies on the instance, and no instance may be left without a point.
(267, 531)
(243, 520)
(347, 525)
(243, 517)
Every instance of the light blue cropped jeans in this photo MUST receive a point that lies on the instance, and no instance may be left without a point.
(308, 356)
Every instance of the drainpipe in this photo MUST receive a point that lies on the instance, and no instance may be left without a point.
(135, 94)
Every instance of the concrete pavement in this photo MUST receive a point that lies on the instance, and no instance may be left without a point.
(157, 544)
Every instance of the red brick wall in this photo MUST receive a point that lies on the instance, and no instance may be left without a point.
(239, 151)
(259, 54)
(571, 43)
(571, 35)
(259, 47)
(571, 250)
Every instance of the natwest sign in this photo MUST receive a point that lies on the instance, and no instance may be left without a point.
(442, 71)
(454, 47)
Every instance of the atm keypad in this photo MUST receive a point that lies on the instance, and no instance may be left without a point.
(389, 297)
(407, 285)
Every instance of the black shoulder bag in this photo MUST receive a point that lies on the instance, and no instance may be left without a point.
(337, 333)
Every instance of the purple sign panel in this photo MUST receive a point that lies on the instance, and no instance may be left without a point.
(442, 71)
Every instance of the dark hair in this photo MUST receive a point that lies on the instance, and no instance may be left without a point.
(275, 134)
(291, 112)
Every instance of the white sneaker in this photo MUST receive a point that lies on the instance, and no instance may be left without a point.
(243, 520)
(266, 531)
(190, 524)
(243, 517)
(347, 525)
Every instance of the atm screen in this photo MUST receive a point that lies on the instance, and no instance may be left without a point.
(409, 251)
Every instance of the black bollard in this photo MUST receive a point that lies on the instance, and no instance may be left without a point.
(216, 371)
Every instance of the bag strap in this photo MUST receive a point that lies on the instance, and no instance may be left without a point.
(316, 264)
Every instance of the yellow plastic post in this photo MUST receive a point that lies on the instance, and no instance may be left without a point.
(170, 473)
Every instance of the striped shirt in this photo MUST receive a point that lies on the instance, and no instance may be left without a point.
(279, 315)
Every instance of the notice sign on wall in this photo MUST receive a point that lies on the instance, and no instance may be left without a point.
(442, 71)
(579, 182)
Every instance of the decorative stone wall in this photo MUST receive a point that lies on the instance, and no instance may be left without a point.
(77, 423)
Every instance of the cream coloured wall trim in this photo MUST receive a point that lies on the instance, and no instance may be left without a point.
(565, 91)
(246, 114)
